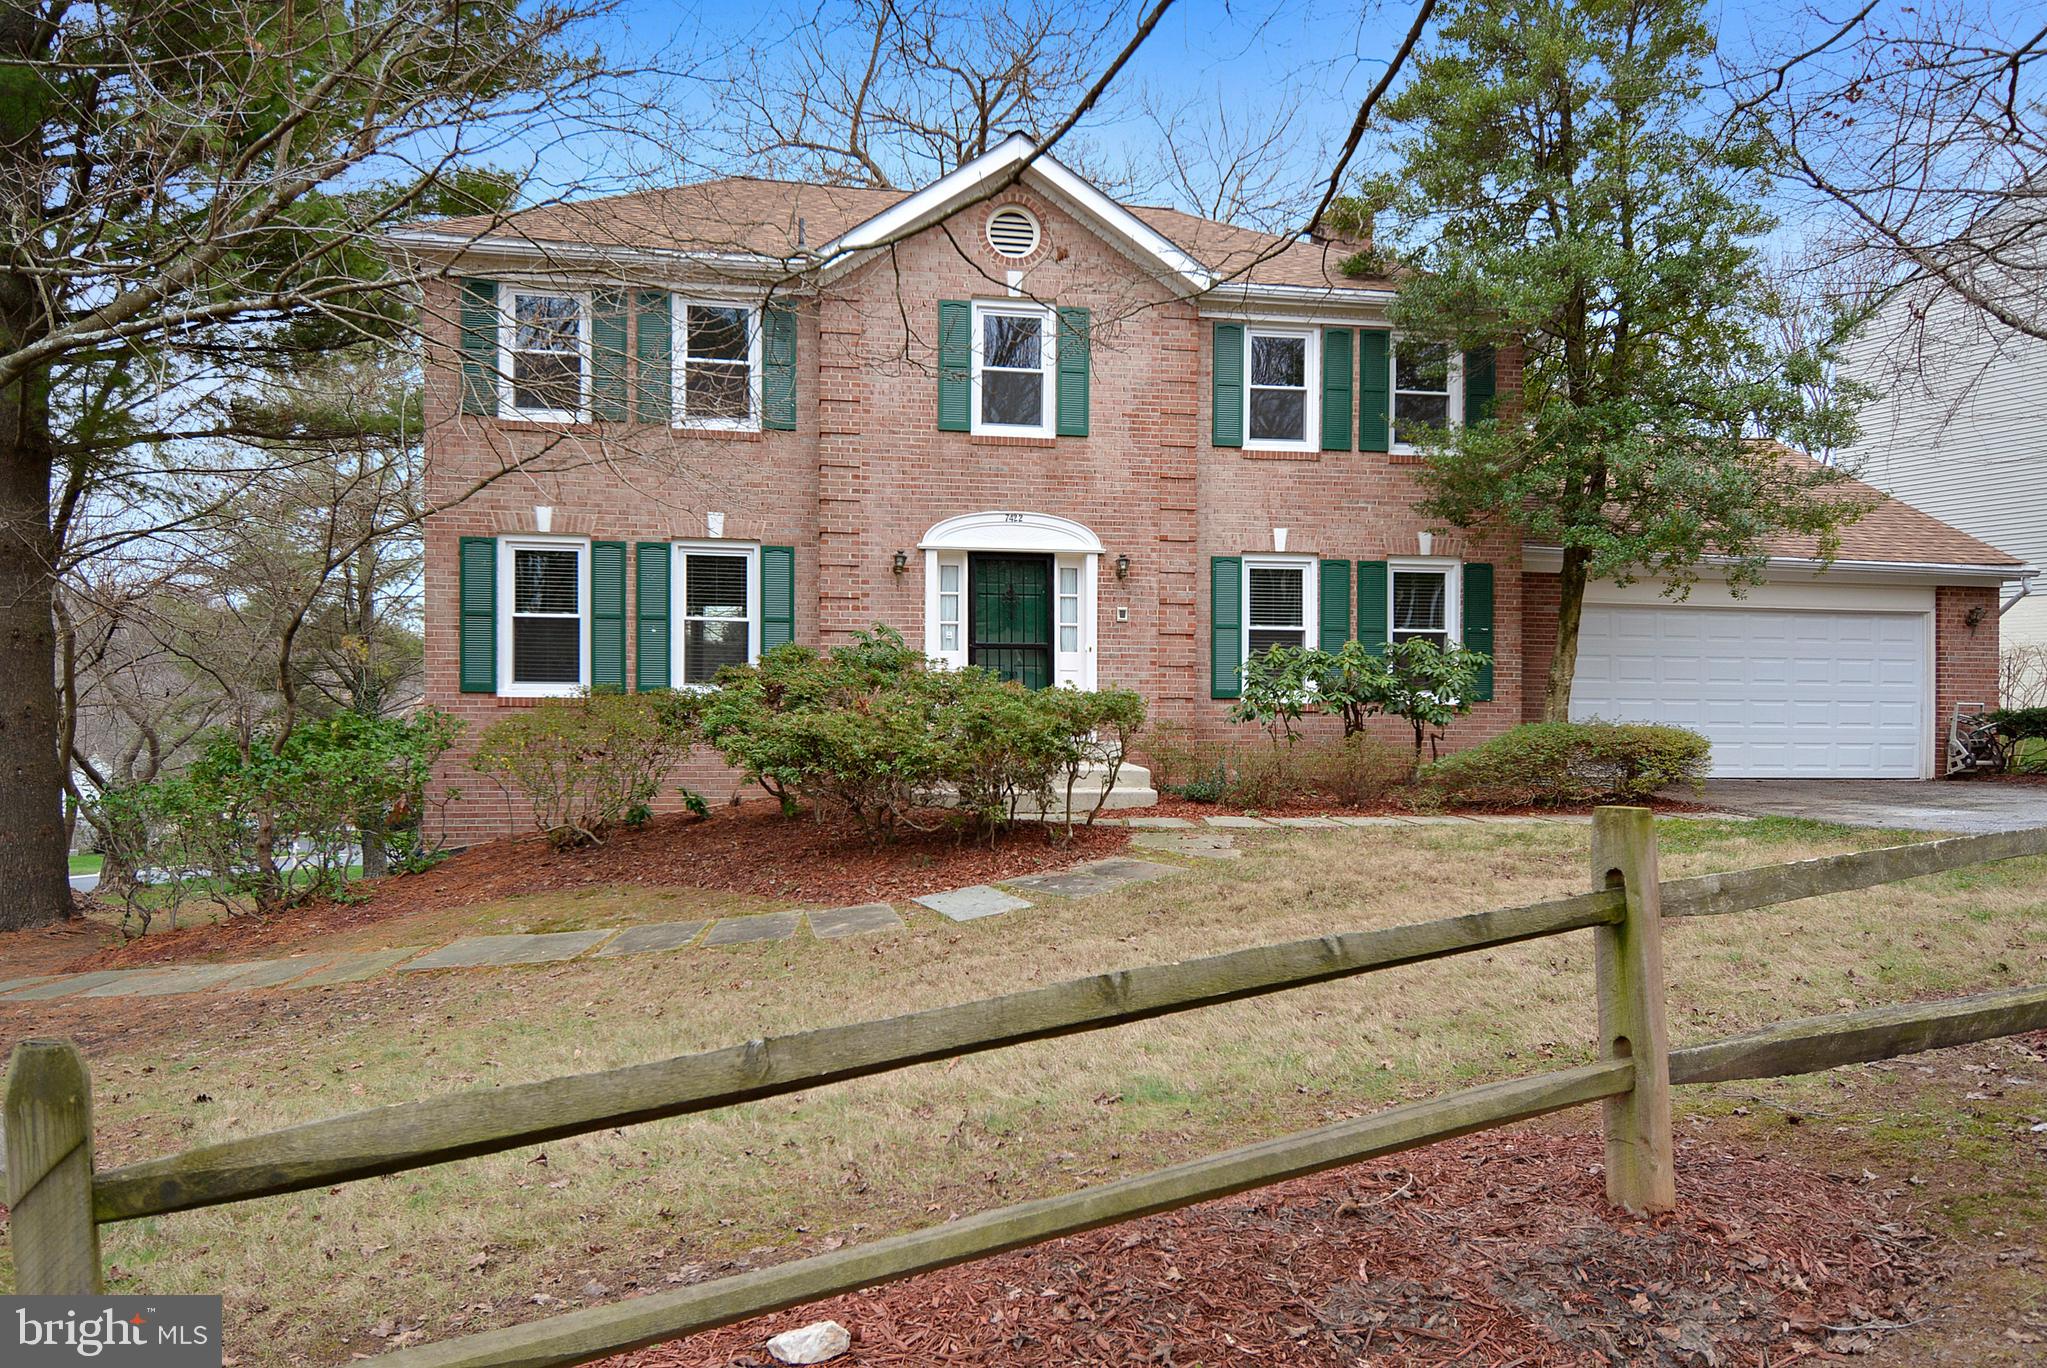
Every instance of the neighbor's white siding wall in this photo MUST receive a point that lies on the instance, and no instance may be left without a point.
(1959, 430)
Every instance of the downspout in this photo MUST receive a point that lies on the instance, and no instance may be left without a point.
(2025, 588)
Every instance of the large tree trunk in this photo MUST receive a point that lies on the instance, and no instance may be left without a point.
(35, 886)
(1563, 666)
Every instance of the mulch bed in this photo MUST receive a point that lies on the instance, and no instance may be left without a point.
(751, 849)
(1168, 806)
(1496, 1250)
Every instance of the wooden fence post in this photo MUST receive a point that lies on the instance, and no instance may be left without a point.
(1640, 1170)
(55, 1240)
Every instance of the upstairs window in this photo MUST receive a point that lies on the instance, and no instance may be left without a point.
(1278, 611)
(1421, 605)
(1012, 368)
(546, 366)
(1425, 401)
(718, 361)
(720, 621)
(545, 648)
(1279, 402)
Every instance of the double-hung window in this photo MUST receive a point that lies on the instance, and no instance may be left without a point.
(1280, 400)
(1012, 370)
(1423, 604)
(1279, 604)
(545, 368)
(545, 643)
(1426, 401)
(718, 589)
(717, 362)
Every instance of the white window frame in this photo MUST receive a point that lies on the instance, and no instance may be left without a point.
(1311, 597)
(1048, 358)
(1452, 571)
(678, 359)
(508, 549)
(1453, 408)
(678, 602)
(1311, 379)
(508, 333)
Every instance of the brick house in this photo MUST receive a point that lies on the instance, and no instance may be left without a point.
(1071, 440)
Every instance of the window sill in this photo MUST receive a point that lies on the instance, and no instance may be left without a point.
(1406, 458)
(1011, 440)
(1280, 454)
(687, 433)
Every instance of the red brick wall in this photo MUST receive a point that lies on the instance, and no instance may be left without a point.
(1540, 596)
(1964, 657)
(867, 473)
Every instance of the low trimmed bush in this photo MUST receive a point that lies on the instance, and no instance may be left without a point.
(871, 729)
(1552, 763)
(2021, 736)
(1355, 771)
(587, 765)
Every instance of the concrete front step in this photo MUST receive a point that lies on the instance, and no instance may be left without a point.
(1132, 789)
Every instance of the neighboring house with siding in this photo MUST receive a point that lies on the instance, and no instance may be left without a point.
(1959, 428)
(1074, 441)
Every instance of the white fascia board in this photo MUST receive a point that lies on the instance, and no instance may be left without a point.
(1550, 559)
(944, 196)
(525, 253)
(1237, 299)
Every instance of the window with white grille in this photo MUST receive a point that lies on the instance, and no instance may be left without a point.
(543, 623)
(1278, 609)
(1013, 232)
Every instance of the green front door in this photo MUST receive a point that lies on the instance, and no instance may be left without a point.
(1009, 617)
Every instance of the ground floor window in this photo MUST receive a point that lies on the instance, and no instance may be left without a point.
(545, 636)
(1279, 604)
(718, 589)
(1421, 604)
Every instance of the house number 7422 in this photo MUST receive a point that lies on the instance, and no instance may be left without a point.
(1014, 517)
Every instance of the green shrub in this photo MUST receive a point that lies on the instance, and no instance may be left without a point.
(1550, 763)
(271, 823)
(2021, 735)
(871, 729)
(585, 765)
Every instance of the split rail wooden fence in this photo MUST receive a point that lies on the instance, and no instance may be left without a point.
(58, 1202)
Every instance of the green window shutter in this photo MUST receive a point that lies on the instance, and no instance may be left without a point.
(652, 645)
(1334, 613)
(656, 370)
(1478, 621)
(607, 615)
(1225, 626)
(1074, 341)
(955, 365)
(1226, 406)
(778, 368)
(1479, 384)
(478, 596)
(608, 355)
(1375, 389)
(1373, 607)
(480, 347)
(778, 596)
(1336, 387)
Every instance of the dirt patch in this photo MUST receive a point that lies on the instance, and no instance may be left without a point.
(1495, 1250)
(750, 849)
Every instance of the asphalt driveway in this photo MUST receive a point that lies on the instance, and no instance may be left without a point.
(1961, 805)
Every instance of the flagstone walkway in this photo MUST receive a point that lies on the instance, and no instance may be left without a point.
(1210, 838)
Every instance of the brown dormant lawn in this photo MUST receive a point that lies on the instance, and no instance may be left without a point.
(483, 1242)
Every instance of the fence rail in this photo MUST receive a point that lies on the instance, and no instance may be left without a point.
(57, 1202)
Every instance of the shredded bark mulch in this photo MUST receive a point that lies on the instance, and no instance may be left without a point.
(749, 849)
(1496, 1250)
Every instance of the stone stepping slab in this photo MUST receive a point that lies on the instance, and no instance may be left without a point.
(12, 984)
(173, 979)
(69, 984)
(971, 903)
(652, 938)
(1237, 823)
(1158, 823)
(837, 922)
(767, 926)
(491, 951)
(1322, 823)
(1095, 876)
(353, 966)
(1203, 845)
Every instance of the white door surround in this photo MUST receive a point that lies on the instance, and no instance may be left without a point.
(1076, 554)
(1781, 691)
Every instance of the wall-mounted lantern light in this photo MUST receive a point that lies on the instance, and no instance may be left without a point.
(1123, 567)
(902, 561)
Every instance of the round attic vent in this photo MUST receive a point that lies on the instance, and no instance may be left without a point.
(1013, 232)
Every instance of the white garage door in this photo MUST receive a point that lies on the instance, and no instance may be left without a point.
(1778, 692)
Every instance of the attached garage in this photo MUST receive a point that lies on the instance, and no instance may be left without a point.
(1782, 692)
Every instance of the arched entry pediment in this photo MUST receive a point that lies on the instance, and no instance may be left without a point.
(1002, 530)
